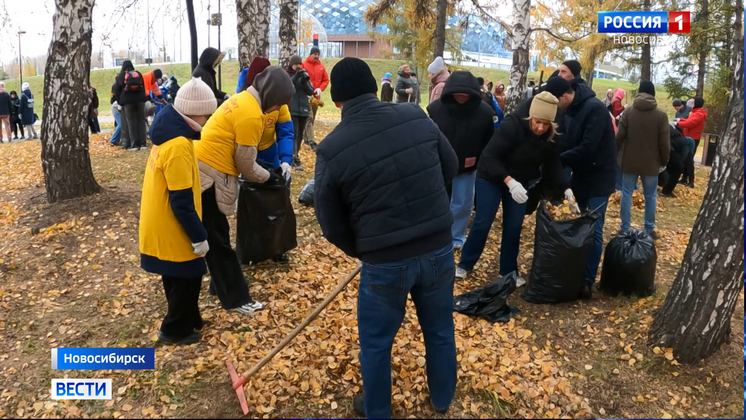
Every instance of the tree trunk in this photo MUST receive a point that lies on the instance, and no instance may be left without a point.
(519, 68)
(695, 318)
(192, 34)
(288, 23)
(704, 49)
(440, 29)
(64, 130)
(645, 59)
(253, 30)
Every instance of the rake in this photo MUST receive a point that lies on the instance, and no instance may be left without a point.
(239, 382)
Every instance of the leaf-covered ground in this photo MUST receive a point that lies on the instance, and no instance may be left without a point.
(69, 277)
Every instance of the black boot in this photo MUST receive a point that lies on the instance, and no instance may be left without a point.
(282, 259)
(192, 338)
(585, 292)
(358, 404)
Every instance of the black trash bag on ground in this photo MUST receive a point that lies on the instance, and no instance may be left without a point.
(265, 221)
(629, 265)
(561, 248)
(306, 194)
(490, 301)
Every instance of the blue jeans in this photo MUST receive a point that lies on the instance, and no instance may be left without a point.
(489, 196)
(650, 190)
(462, 201)
(619, 184)
(118, 130)
(381, 306)
(597, 204)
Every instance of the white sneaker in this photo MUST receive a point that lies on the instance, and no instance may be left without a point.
(460, 273)
(249, 308)
(520, 282)
(133, 149)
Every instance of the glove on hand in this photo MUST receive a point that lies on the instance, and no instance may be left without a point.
(520, 195)
(201, 248)
(285, 170)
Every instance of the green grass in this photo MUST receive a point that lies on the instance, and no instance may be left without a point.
(103, 79)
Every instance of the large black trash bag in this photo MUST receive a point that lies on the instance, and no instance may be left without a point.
(265, 223)
(561, 248)
(629, 265)
(490, 301)
(306, 194)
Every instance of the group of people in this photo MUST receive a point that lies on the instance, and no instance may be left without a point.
(394, 188)
(16, 113)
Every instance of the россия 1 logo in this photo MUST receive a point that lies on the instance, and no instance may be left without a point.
(644, 22)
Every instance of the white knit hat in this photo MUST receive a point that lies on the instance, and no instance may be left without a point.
(543, 107)
(437, 65)
(195, 98)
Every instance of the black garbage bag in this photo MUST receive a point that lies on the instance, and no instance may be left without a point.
(490, 301)
(629, 265)
(561, 248)
(265, 222)
(306, 194)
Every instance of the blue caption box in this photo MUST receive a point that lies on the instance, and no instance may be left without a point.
(99, 358)
(633, 22)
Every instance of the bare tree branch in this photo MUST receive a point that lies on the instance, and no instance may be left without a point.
(486, 15)
(549, 31)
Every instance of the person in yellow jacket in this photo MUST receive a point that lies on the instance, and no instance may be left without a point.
(229, 147)
(173, 241)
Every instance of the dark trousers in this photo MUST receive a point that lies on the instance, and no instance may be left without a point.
(299, 124)
(381, 306)
(136, 124)
(688, 177)
(598, 205)
(94, 126)
(674, 168)
(226, 276)
(15, 126)
(183, 315)
(124, 137)
(489, 196)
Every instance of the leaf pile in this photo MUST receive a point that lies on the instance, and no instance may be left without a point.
(562, 211)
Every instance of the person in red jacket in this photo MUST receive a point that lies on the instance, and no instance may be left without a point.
(692, 128)
(319, 81)
(616, 103)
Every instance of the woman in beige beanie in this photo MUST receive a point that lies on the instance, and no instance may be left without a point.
(519, 155)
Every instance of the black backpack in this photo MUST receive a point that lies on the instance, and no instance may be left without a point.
(133, 81)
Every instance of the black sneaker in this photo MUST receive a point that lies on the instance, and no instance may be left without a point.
(690, 185)
(586, 292)
(654, 235)
(668, 195)
(358, 404)
(192, 338)
(282, 259)
(205, 323)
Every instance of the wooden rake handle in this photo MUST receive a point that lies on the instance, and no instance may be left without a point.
(297, 329)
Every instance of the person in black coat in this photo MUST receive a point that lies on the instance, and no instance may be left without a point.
(300, 109)
(380, 196)
(208, 62)
(517, 158)
(468, 123)
(116, 96)
(15, 115)
(675, 167)
(93, 111)
(590, 152)
(5, 108)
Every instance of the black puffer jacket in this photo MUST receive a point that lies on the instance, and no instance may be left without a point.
(380, 192)
(469, 126)
(303, 89)
(591, 145)
(517, 152)
(206, 70)
(118, 87)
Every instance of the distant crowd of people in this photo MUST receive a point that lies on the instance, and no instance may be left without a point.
(17, 113)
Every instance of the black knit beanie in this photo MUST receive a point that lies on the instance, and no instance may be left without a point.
(574, 66)
(351, 78)
(699, 102)
(314, 50)
(648, 87)
(557, 86)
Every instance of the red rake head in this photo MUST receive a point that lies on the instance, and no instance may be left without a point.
(237, 383)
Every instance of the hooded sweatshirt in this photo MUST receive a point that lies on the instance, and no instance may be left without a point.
(171, 204)
(5, 103)
(643, 137)
(208, 61)
(616, 103)
(500, 94)
(468, 126)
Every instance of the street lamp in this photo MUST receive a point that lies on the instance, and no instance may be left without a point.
(20, 58)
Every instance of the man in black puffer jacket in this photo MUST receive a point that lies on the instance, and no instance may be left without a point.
(468, 123)
(591, 154)
(208, 62)
(380, 196)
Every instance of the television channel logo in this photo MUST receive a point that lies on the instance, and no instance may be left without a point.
(644, 22)
(81, 389)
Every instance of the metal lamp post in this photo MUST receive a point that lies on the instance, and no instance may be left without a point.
(20, 58)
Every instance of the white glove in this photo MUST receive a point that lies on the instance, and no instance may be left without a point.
(201, 248)
(520, 195)
(661, 169)
(317, 93)
(570, 197)
(285, 170)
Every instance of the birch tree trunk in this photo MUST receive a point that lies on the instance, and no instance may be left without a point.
(645, 53)
(253, 30)
(519, 68)
(704, 48)
(288, 23)
(65, 157)
(696, 316)
(440, 28)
